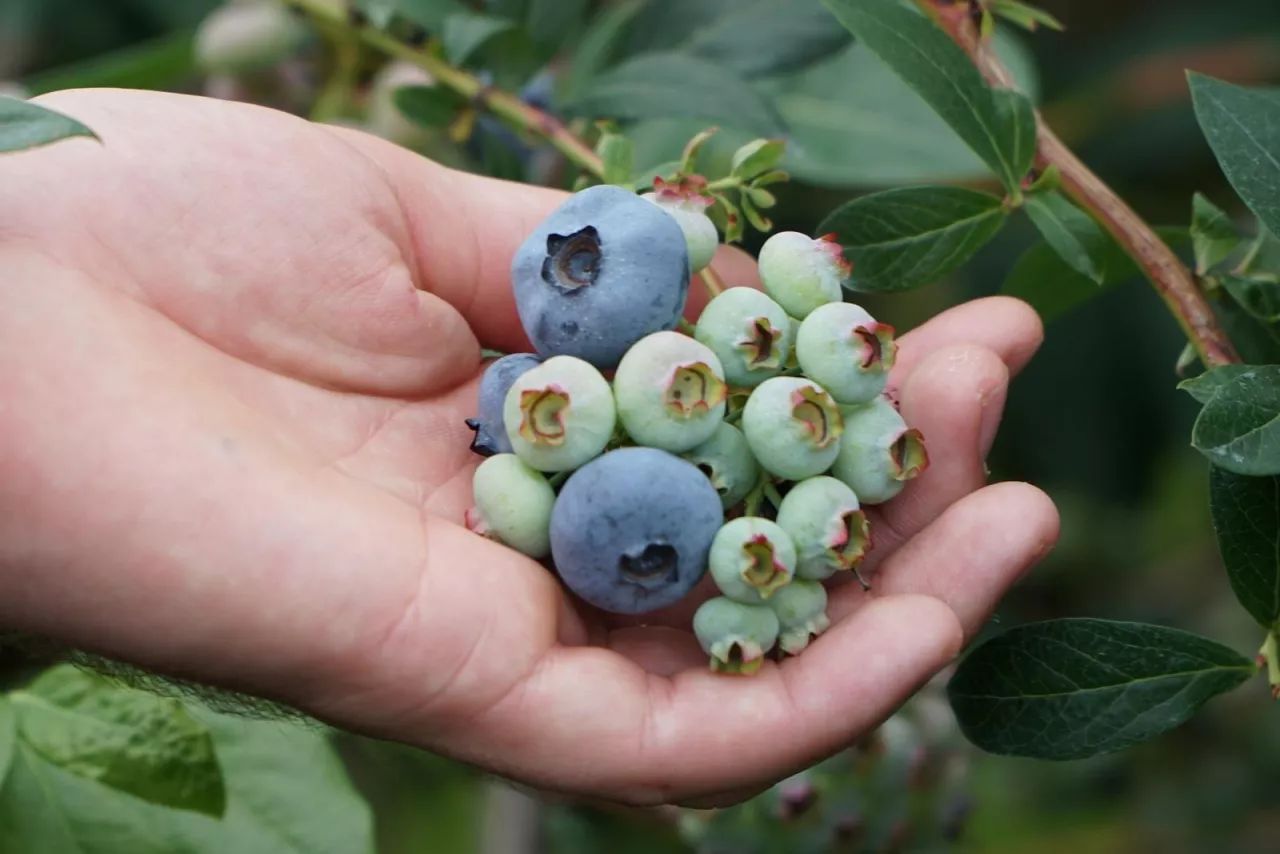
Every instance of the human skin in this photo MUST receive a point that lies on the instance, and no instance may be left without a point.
(236, 353)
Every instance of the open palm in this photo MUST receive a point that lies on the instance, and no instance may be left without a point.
(236, 354)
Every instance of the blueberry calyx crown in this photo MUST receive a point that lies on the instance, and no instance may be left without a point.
(695, 387)
(763, 571)
(761, 344)
(543, 410)
(910, 458)
(815, 409)
(573, 261)
(850, 542)
(737, 656)
(654, 566)
(879, 350)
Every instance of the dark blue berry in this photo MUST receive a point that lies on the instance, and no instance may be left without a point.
(491, 435)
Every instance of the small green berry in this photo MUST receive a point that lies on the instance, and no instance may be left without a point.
(801, 607)
(513, 505)
(735, 635)
(802, 273)
(559, 415)
(242, 38)
(670, 392)
(689, 208)
(831, 533)
(878, 452)
(727, 460)
(749, 332)
(793, 427)
(751, 558)
(847, 351)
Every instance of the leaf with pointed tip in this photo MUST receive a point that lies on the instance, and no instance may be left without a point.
(429, 106)
(1239, 428)
(1208, 384)
(1259, 297)
(1071, 232)
(1246, 519)
(1025, 16)
(26, 125)
(1074, 688)
(466, 32)
(1213, 234)
(1243, 129)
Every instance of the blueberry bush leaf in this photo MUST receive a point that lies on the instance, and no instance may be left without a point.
(551, 23)
(1243, 129)
(1208, 384)
(596, 47)
(1071, 232)
(675, 85)
(900, 239)
(130, 740)
(1213, 234)
(997, 127)
(762, 37)
(1246, 519)
(430, 14)
(1074, 688)
(465, 33)
(1239, 428)
(287, 793)
(25, 125)
(1258, 296)
(429, 106)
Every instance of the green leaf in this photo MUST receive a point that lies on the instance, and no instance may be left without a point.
(1243, 128)
(901, 239)
(25, 125)
(618, 155)
(1257, 342)
(430, 14)
(551, 22)
(1025, 16)
(429, 106)
(1071, 232)
(1070, 689)
(1204, 387)
(757, 157)
(598, 43)
(8, 737)
(1213, 234)
(465, 33)
(1000, 128)
(760, 37)
(675, 85)
(287, 794)
(1246, 518)
(1259, 297)
(127, 739)
(1239, 428)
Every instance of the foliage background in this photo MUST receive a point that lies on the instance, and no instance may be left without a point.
(1095, 420)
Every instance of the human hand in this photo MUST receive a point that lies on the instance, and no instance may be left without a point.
(236, 354)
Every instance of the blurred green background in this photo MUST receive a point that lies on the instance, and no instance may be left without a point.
(1095, 420)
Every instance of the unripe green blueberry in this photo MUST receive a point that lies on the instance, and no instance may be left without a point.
(750, 333)
(848, 352)
(242, 38)
(670, 392)
(727, 461)
(384, 118)
(831, 533)
(878, 452)
(735, 635)
(801, 607)
(802, 273)
(751, 558)
(513, 505)
(793, 427)
(689, 208)
(559, 415)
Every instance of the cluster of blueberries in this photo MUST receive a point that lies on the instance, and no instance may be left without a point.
(772, 412)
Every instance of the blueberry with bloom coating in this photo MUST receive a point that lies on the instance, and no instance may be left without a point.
(750, 333)
(689, 207)
(728, 463)
(793, 427)
(513, 505)
(751, 559)
(801, 608)
(559, 415)
(735, 635)
(670, 392)
(878, 453)
(847, 351)
(830, 531)
(802, 273)
(491, 434)
(631, 531)
(601, 272)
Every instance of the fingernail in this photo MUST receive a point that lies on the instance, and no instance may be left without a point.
(992, 399)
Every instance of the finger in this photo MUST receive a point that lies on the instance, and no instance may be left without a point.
(466, 228)
(969, 556)
(593, 722)
(955, 398)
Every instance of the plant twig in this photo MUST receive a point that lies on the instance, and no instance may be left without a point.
(502, 104)
(1171, 278)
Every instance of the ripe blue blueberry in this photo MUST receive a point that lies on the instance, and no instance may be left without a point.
(801, 608)
(727, 461)
(793, 427)
(734, 634)
(848, 352)
(750, 333)
(559, 415)
(491, 434)
(878, 453)
(513, 505)
(631, 531)
(604, 270)
(689, 207)
(751, 558)
(802, 273)
(670, 392)
(831, 533)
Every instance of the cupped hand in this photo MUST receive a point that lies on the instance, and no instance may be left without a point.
(236, 355)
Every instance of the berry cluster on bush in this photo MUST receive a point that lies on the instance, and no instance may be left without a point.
(639, 459)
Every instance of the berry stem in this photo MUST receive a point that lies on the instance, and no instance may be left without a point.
(1267, 657)
(711, 281)
(505, 105)
(1171, 278)
(686, 327)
